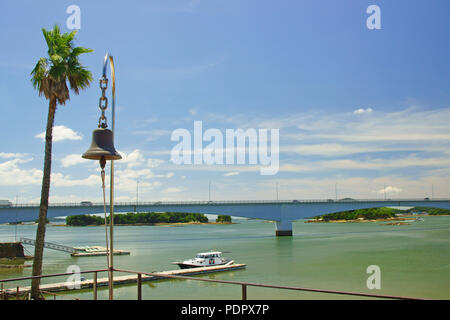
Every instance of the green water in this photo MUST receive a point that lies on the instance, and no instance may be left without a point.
(414, 259)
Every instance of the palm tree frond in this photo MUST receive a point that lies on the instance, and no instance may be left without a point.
(50, 75)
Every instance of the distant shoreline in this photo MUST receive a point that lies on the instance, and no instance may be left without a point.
(360, 220)
(158, 224)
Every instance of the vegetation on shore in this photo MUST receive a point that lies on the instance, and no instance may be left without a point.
(430, 211)
(149, 218)
(223, 219)
(378, 213)
(362, 214)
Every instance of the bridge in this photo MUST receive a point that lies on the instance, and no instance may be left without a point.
(282, 212)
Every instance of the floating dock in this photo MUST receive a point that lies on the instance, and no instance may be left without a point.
(95, 251)
(119, 280)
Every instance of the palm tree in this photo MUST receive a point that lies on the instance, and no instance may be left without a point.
(50, 77)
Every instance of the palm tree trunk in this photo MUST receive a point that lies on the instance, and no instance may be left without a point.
(45, 192)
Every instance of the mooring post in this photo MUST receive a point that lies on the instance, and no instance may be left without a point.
(17, 293)
(244, 292)
(95, 285)
(139, 286)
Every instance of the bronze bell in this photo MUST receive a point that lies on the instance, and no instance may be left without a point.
(102, 146)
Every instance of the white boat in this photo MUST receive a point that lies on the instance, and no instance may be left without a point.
(204, 259)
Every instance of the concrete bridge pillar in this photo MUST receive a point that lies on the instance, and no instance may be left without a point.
(283, 228)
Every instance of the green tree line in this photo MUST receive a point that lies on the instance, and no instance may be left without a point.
(368, 214)
(223, 219)
(137, 218)
(430, 211)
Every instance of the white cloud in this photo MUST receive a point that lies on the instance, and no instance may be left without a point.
(61, 133)
(389, 190)
(5, 155)
(61, 180)
(12, 175)
(372, 164)
(361, 111)
(153, 163)
(72, 159)
(408, 125)
(132, 159)
(329, 149)
(353, 187)
(172, 190)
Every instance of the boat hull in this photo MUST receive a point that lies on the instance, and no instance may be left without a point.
(189, 266)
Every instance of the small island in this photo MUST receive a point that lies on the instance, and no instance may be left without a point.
(378, 214)
(140, 218)
(223, 219)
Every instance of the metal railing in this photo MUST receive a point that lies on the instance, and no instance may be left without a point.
(5, 293)
(49, 245)
(15, 292)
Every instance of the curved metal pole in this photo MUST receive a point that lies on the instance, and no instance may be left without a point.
(109, 58)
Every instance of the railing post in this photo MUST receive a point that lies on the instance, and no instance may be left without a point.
(94, 285)
(244, 292)
(139, 286)
(17, 293)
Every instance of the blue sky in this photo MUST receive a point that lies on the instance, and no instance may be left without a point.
(357, 107)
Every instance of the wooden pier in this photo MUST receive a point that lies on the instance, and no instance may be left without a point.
(119, 280)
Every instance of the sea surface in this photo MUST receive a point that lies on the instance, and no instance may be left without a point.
(414, 259)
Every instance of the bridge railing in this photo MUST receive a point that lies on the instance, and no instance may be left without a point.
(224, 202)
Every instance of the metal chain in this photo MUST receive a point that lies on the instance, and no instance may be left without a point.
(103, 103)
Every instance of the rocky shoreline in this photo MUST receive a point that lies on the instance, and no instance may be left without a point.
(360, 220)
(159, 224)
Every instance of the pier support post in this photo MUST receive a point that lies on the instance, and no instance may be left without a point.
(283, 228)
(139, 286)
(94, 285)
(244, 292)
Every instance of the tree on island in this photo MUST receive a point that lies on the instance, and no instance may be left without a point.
(366, 214)
(430, 211)
(50, 77)
(223, 219)
(84, 220)
(146, 218)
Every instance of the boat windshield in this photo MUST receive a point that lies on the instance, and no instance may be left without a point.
(207, 256)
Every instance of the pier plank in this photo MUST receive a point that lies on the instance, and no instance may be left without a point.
(120, 280)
